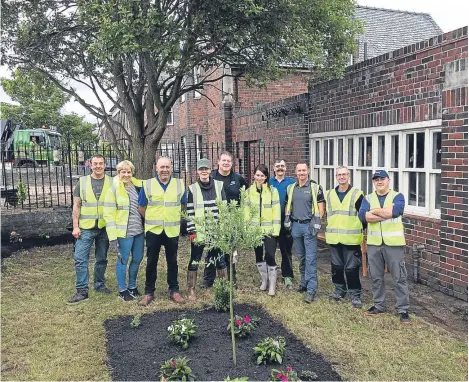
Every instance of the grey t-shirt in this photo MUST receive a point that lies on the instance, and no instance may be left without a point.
(97, 186)
(135, 225)
(302, 203)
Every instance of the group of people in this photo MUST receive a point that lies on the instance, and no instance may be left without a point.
(125, 213)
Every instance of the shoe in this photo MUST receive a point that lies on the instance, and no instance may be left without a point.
(301, 289)
(221, 273)
(288, 282)
(262, 268)
(191, 283)
(336, 297)
(373, 311)
(126, 295)
(177, 298)
(103, 290)
(134, 292)
(81, 295)
(272, 273)
(147, 299)
(405, 318)
(356, 303)
(309, 298)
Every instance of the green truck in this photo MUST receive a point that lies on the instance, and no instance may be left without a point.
(30, 147)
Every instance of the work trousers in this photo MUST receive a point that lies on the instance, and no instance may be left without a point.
(345, 268)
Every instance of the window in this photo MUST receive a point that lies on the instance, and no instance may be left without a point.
(412, 157)
(196, 77)
(198, 146)
(169, 119)
(183, 97)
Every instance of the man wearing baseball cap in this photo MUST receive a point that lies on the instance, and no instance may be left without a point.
(383, 210)
(202, 197)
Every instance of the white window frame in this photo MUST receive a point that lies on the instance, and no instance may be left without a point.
(427, 127)
(170, 119)
(198, 146)
(196, 78)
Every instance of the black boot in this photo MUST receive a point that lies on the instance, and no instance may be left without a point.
(209, 276)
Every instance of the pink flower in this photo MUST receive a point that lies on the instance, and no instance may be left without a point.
(174, 363)
(289, 368)
(279, 375)
(247, 320)
(13, 233)
(238, 322)
(284, 378)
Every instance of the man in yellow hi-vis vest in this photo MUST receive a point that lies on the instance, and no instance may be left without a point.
(383, 210)
(344, 234)
(89, 227)
(160, 201)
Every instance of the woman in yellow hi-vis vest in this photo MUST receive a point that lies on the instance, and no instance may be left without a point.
(267, 200)
(383, 210)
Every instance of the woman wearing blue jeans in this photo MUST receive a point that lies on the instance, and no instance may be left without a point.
(124, 227)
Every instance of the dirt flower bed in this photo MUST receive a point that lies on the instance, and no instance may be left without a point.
(137, 353)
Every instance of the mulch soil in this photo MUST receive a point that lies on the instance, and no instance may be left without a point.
(137, 354)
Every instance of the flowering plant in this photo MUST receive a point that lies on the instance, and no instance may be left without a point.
(280, 375)
(15, 237)
(181, 331)
(243, 326)
(136, 321)
(270, 350)
(176, 369)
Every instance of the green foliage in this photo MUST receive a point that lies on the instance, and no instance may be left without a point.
(136, 321)
(221, 295)
(22, 191)
(308, 375)
(270, 350)
(284, 375)
(243, 326)
(176, 369)
(181, 331)
(239, 379)
(73, 127)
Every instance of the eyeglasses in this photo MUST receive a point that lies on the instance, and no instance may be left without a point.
(279, 165)
(342, 175)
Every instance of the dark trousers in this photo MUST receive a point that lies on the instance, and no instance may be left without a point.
(210, 274)
(270, 246)
(285, 242)
(154, 243)
(346, 261)
(214, 258)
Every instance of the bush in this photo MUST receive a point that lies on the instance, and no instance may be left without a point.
(176, 369)
(135, 323)
(181, 331)
(243, 326)
(270, 350)
(221, 289)
(287, 375)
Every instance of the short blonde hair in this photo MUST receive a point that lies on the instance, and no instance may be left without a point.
(125, 163)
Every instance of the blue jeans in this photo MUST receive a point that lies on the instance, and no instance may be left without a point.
(306, 249)
(82, 257)
(129, 245)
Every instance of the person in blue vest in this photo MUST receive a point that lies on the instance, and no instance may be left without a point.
(232, 184)
(383, 210)
(285, 240)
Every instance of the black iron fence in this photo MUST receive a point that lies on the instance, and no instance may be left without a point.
(33, 177)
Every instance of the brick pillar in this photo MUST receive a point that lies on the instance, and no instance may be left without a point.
(454, 181)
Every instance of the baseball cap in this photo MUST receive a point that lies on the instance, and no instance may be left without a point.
(380, 174)
(203, 163)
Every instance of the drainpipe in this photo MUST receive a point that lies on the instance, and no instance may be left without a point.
(416, 254)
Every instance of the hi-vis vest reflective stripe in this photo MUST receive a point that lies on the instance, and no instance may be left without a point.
(92, 209)
(116, 211)
(269, 212)
(343, 224)
(199, 206)
(390, 231)
(314, 196)
(164, 208)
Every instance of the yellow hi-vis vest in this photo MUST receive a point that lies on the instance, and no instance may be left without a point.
(314, 196)
(343, 224)
(269, 212)
(92, 209)
(390, 231)
(164, 207)
(199, 206)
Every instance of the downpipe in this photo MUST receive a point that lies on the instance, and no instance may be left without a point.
(416, 254)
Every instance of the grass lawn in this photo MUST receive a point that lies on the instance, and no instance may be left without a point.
(43, 338)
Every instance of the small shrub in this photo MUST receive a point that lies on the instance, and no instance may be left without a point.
(181, 331)
(135, 323)
(22, 192)
(284, 375)
(176, 369)
(244, 325)
(15, 237)
(307, 375)
(221, 289)
(270, 350)
(239, 379)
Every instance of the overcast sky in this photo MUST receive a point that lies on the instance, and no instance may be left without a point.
(448, 14)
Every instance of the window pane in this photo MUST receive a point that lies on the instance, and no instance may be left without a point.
(326, 152)
(350, 152)
(329, 180)
(395, 151)
(340, 152)
(317, 153)
(369, 151)
(395, 180)
(436, 156)
(331, 152)
(421, 177)
(381, 151)
(363, 183)
(316, 176)
(420, 150)
(412, 189)
(351, 177)
(409, 151)
(369, 181)
(361, 150)
(437, 191)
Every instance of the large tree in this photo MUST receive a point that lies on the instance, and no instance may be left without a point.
(138, 55)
